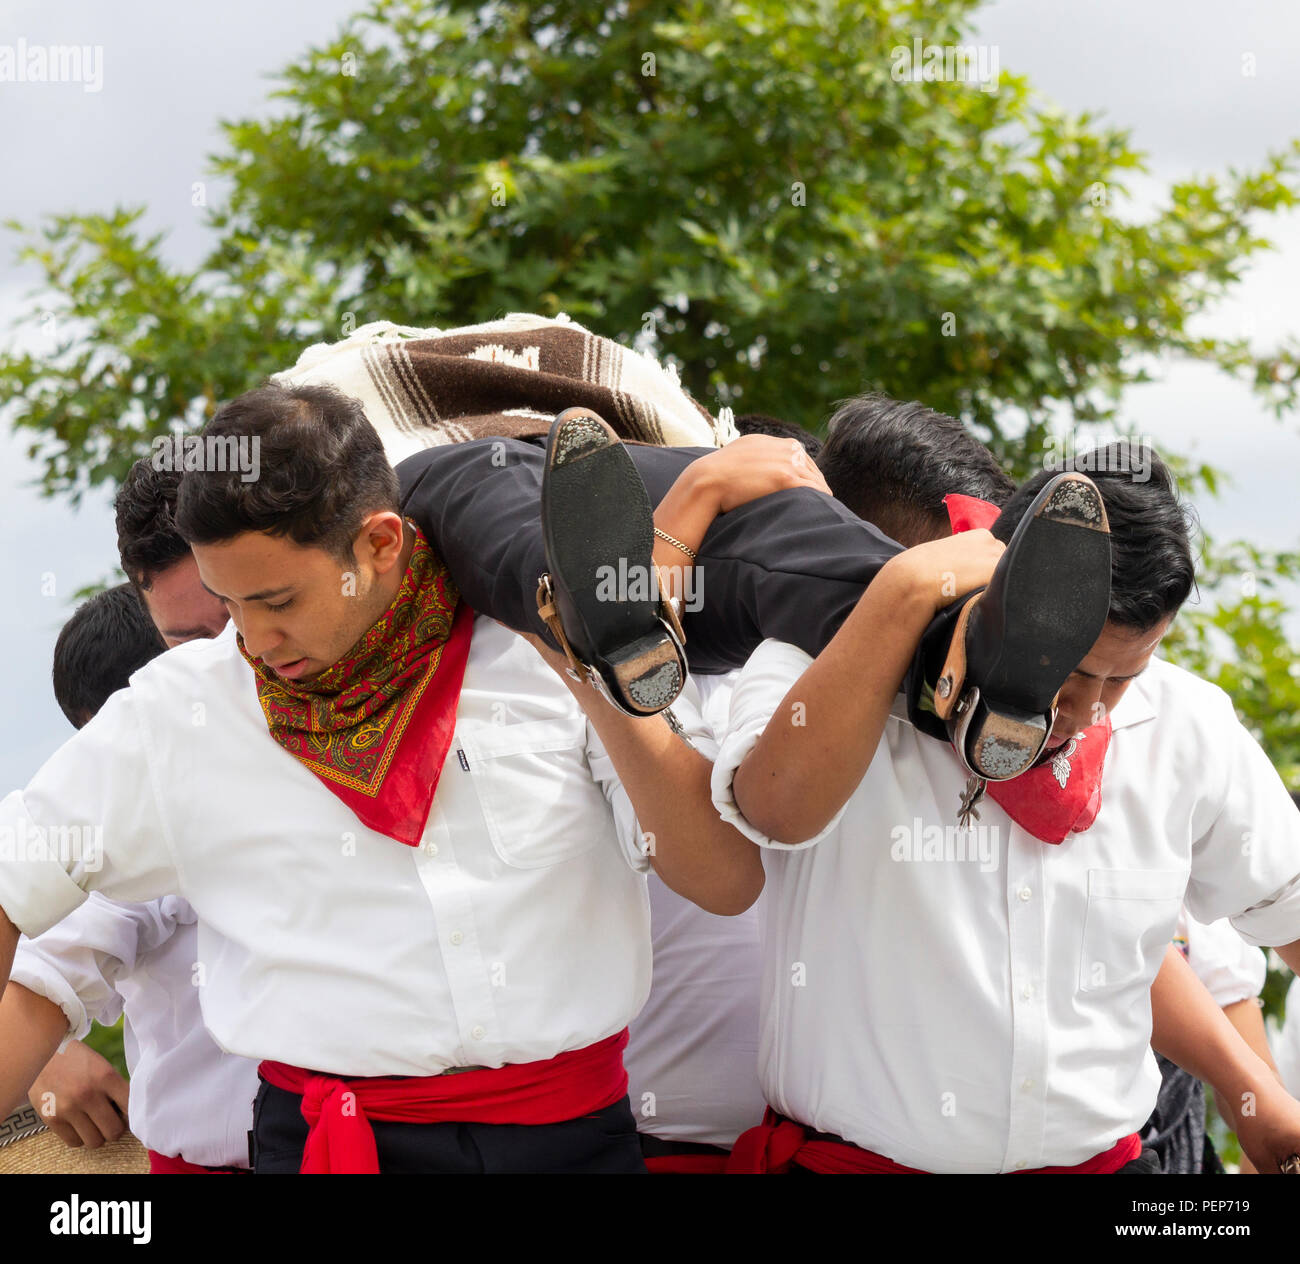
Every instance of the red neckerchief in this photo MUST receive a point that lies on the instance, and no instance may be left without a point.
(1061, 795)
(375, 727)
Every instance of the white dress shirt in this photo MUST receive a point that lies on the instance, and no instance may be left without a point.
(188, 1097)
(980, 1002)
(692, 1054)
(1230, 968)
(518, 929)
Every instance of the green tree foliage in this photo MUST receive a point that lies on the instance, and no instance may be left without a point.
(756, 190)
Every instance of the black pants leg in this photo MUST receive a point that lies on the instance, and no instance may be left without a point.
(605, 1141)
(790, 566)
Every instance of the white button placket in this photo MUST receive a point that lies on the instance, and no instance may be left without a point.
(467, 974)
(1027, 938)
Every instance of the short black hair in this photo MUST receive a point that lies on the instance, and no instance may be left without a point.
(761, 423)
(147, 539)
(109, 637)
(892, 462)
(1152, 569)
(321, 469)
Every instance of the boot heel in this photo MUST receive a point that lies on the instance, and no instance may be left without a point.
(647, 674)
(1002, 744)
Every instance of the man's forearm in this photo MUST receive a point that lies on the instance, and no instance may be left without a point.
(1189, 1029)
(8, 946)
(31, 1028)
(821, 739)
(1248, 1019)
(693, 850)
(1290, 953)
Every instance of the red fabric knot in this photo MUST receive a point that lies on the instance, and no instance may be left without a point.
(777, 1143)
(338, 1111)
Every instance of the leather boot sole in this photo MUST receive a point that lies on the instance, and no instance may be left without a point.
(1019, 639)
(598, 529)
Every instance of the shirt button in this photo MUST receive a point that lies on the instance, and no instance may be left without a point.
(1027, 991)
(1024, 893)
(456, 937)
(478, 1033)
(1021, 1165)
(1027, 1085)
(431, 849)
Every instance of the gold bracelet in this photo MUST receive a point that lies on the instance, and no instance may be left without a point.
(677, 544)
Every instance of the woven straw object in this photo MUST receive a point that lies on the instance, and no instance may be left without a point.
(28, 1146)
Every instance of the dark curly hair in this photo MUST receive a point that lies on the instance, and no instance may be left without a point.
(1152, 567)
(321, 470)
(147, 539)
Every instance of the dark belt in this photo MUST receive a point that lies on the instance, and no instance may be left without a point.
(658, 1148)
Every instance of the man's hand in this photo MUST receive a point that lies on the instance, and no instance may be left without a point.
(753, 466)
(81, 1097)
(746, 469)
(1267, 1124)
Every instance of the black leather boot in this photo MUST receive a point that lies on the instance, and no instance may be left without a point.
(601, 596)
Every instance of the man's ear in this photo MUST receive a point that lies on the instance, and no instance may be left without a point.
(380, 539)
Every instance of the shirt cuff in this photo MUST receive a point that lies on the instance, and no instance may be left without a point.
(35, 889)
(1271, 924)
(735, 747)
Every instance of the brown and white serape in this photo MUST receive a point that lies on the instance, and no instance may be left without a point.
(509, 377)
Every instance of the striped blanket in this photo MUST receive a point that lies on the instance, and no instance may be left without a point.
(509, 377)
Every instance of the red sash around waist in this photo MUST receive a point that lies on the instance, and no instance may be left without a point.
(776, 1143)
(555, 1090)
(174, 1165)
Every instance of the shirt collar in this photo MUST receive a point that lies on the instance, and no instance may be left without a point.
(1136, 706)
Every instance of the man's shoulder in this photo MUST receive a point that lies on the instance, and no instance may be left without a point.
(1182, 707)
(206, 669)
(503, 666)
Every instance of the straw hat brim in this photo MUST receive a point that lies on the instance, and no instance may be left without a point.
(41, 1151)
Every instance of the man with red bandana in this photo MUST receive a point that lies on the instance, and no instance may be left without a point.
(418, 881)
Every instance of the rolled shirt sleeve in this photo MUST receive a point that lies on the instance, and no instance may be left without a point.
(77, 963)
(760, 690)
(1246, 858)
(88, 820)
(1230, 968)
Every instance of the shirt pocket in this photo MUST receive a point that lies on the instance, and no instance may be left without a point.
(539, 800)
(1131, 916)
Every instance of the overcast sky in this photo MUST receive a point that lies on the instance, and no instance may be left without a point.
(1169, 70)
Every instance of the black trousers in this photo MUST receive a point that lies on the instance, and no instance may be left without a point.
(789, 566)
(603, 1142)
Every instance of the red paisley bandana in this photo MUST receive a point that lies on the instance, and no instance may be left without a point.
(375, 727)
(1062, 795)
